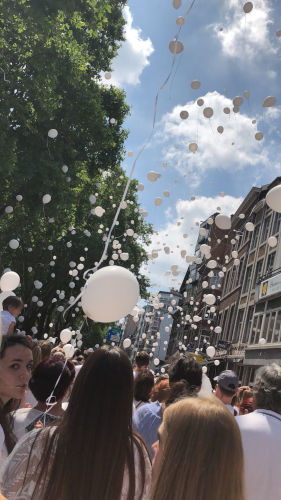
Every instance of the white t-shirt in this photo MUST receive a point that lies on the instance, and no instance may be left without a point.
(3, 450)
(6, 319)
(261, 437)
(22, 418)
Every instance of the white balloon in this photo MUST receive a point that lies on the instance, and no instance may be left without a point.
(273, 198)
(92, 199)
(9, 281)
(236, 262)
(140, 187)
(65, 335)
(217, 362)
(249, 226)
(46, 198)
(126, 343)
(218, 329)
(208, 112)
(205, 249)
(64, 169)
(220, 129)
(210, 299)
(237, 101)
(259, 136)
(212, 264)
(193, 147)
(3, 296)
(99, 211)
(124, 256)
(204, 284)
(158, 202)
(272, 241)
(53, 133)
(166, 194)
(262, 341)
(204, 369)
(269, 101)
(110, 294)
(176, 47)
(156, 361)
(68, 350)
(210, 351)
(153, 176)
(195, 84)
(9, 209)
(19, 197)
(184, 114)
(248, 7)
(14, 244)
(223, 222)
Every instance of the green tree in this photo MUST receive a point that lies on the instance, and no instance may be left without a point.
(51, 55)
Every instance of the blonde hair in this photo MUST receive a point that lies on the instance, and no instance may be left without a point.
(203, 455)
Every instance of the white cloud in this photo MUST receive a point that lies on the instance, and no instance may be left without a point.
(188, 213)
(133, 56)
(245, 36)
(236, 148)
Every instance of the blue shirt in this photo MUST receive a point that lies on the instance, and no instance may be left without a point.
(147, 420)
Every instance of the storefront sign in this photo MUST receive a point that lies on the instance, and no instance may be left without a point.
(270, 286)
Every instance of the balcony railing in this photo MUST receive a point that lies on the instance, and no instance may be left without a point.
(268, 275)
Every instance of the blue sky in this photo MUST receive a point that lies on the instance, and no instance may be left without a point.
(229, 52)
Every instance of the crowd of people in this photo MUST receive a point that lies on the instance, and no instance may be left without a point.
(94, 427)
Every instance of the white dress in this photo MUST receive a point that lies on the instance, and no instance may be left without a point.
(14, 470)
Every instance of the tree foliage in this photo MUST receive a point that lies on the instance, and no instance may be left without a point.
(51, 55)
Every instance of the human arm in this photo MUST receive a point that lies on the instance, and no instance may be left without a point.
(11, 328)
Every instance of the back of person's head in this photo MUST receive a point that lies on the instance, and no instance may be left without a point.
(161, 391)
(193, 462)
(46, 348)
(37, 354)
(187, 369)
(267, 388)
(246, 402)
(142, 359)
(12, 301)
(45, 376)
(99, 414)
(143, 385)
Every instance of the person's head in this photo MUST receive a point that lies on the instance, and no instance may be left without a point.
(267, 388)
(46, 348)
(185, 376)
(246, 402)
(191, 461)
(37, 354)
(15, 367)
(80, 359)
(143, 385)
(99, 414)
(13, 305)
(161, 391)
(58, 353)
(15, 371)
(142, 360)
(226, 386)
(45, 376)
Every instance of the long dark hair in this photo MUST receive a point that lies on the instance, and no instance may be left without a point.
(94, 442)
(6, 418)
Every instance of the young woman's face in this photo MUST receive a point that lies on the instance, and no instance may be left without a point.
(15, 372)
(158, 448)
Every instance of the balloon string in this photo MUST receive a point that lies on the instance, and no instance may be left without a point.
(49, 398)
(103, 257)
(5, 79)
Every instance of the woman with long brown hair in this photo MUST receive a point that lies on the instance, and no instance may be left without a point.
(15, 371)
(199, 454)
(92, 453)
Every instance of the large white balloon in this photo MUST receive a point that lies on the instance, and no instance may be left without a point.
(14, 244)
(272, 241)
(110, 294)
(53, 133)
(68, 350)
(210, 299)
(249, 226)
(223, 222)
(46, 198)
(3, 296)
(273, 198)
(9, 281)
(210, 351)
(65, 335)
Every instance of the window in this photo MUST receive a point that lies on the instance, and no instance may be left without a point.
(277, 328)
(265, 325)
(277, 223)
(226, 282)
(256, 329)
(266, 228)
(240, 271)
(247, 279)
(270, 328)
(229, 328)
(255, 237)
(238, 326)
(258, 271)
(270, 262)
(248, 324)
(223, 323)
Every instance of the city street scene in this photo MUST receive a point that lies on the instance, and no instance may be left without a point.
(140, 250)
